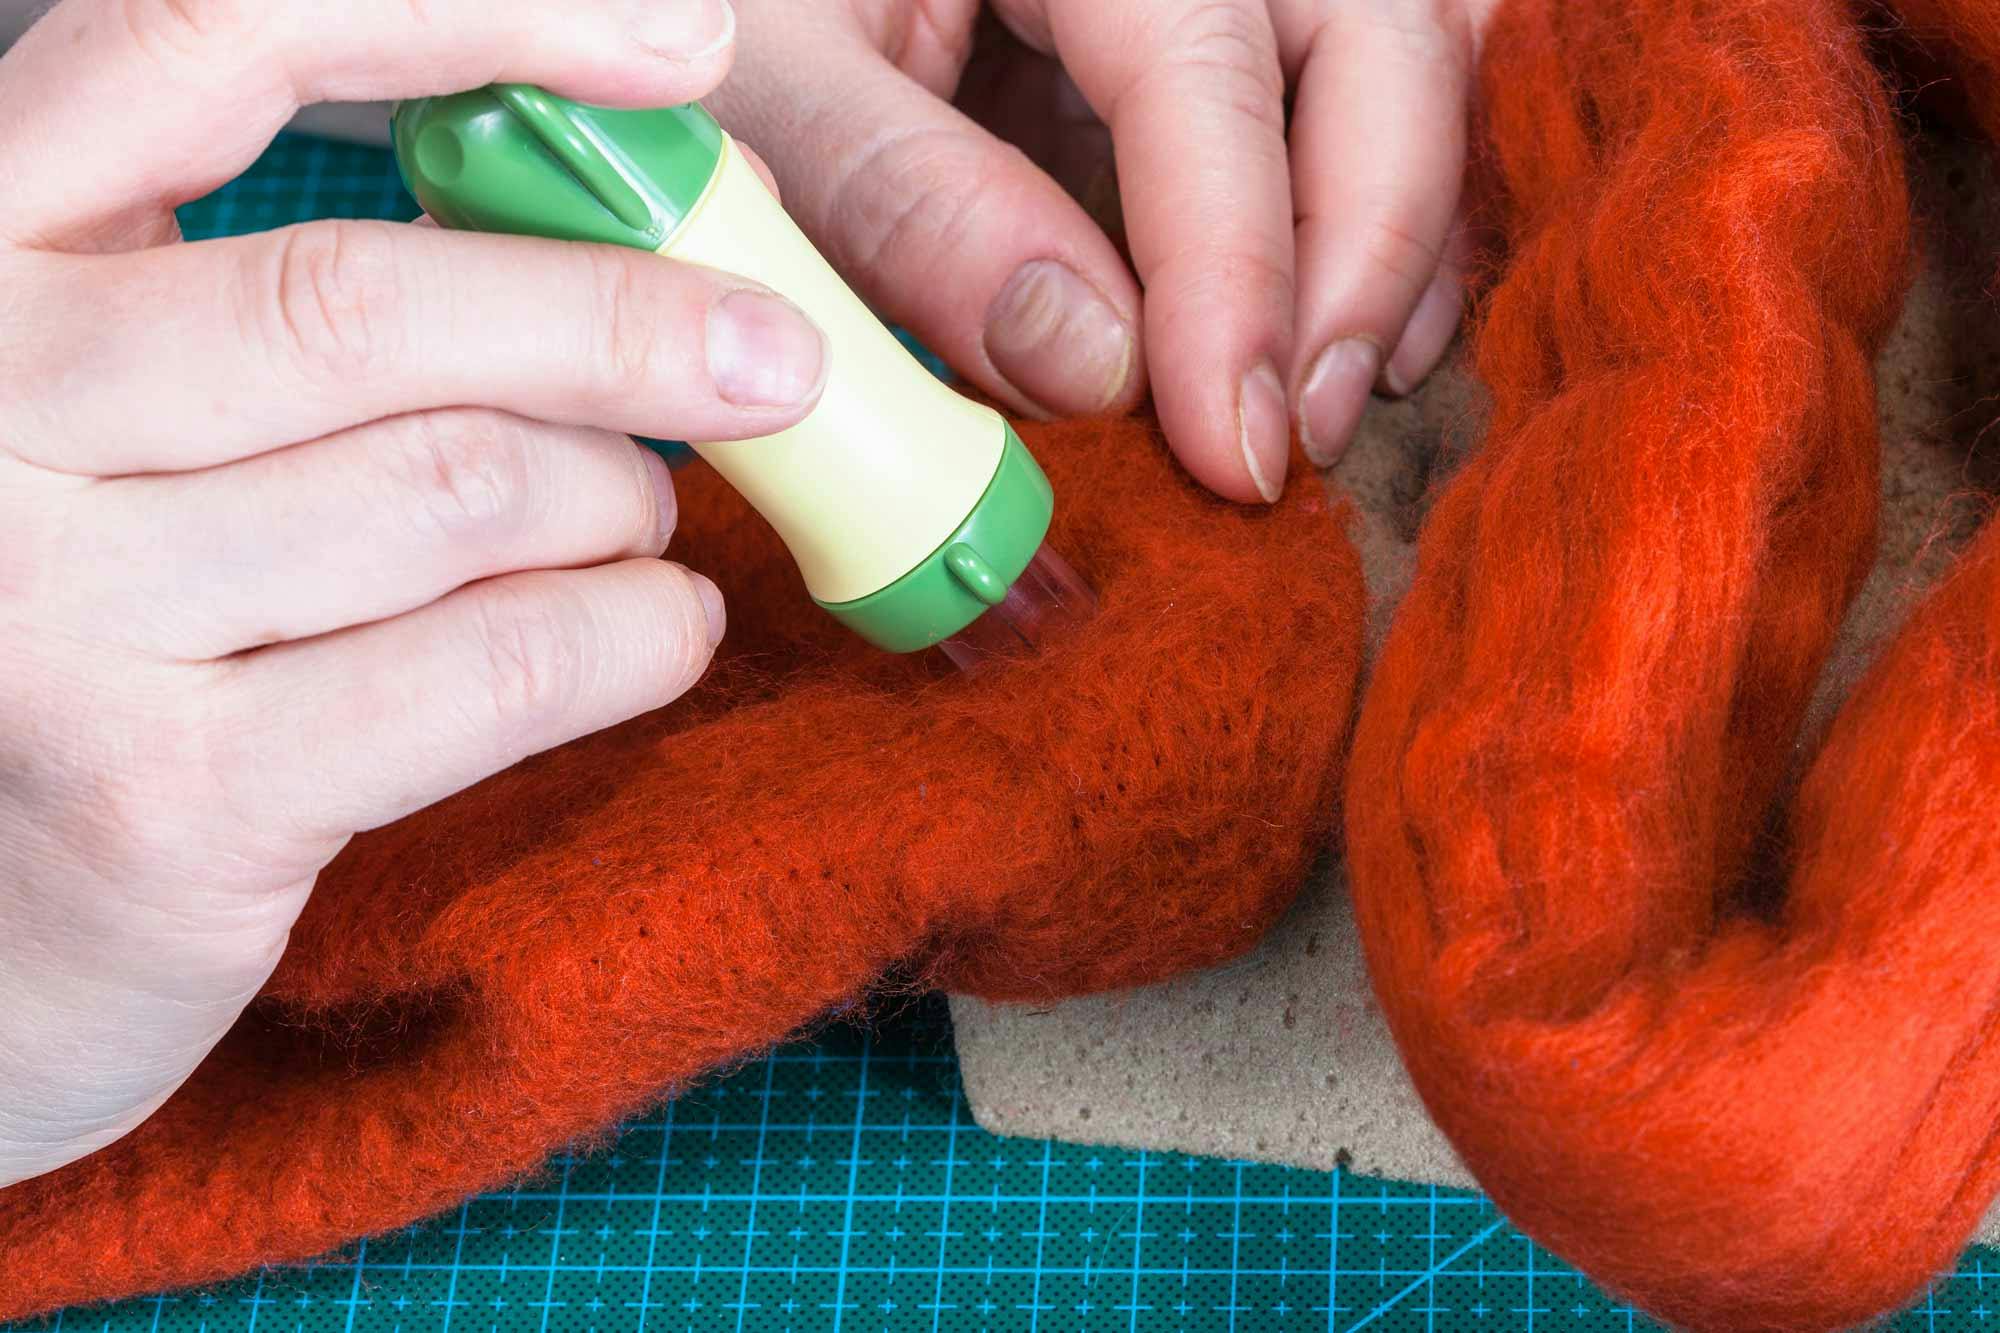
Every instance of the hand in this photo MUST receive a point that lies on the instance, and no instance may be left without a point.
(1280, 280)
(303, 531)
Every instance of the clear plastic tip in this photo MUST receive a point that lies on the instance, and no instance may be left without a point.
(1047, 600)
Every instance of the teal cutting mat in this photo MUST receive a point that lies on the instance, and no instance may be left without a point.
(842, 1185)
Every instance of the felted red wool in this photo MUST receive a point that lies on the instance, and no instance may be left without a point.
(1744, 1069)
(554, 950)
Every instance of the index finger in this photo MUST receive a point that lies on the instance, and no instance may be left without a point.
(109, 106)
(1193, 93)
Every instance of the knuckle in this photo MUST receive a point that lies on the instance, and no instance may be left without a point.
(131, 781)
(630, 352)
(1394, 249)
(681, 636)
(177, 30)
(335, 287)
(906, 198)
(525, 653)
(1427, 35)
(465, 474)
(1210, 278)
(1230, 47)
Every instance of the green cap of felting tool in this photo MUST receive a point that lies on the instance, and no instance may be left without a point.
(915, 515)
(512, 158)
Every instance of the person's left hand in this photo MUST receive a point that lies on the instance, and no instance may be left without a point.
(1290, 264)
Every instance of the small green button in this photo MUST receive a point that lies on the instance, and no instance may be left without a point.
(440, 154)
(977, 576)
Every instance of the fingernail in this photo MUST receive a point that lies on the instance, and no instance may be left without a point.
(667, 504)
(1057, 340)
(1335, 396)
(763, 351)
(1265, 429)
(686, 29)
(711, 605)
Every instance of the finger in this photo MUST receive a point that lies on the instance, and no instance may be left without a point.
(762, 168)
(364, 525)
(1193, 94)
(1024, 97)
(239, 345)
(1433, 324)
(396, 715)
(940, 226)
(112, 105)
(1378, 146)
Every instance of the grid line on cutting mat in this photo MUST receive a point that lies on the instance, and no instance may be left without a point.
(842, 1184)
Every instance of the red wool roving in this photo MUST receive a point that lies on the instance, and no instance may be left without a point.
(524, 965)
(1742, 1069)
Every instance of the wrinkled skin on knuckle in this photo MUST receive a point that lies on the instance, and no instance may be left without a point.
(682, 640)
(196, 41)
(1201, 279)
(524, 657)
(463, 475)
(627, 350)
(180, 28)
(906, 198)
(334, 294)
(1394, 249)
(1229, 50)
(1435, 35)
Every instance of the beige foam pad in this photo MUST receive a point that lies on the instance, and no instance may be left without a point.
(1283, 1056)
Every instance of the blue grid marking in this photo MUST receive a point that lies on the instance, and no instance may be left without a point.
(843, 1184)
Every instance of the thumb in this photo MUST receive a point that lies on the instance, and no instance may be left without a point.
(940, 226)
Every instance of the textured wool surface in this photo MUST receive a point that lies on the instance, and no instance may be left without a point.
(520, 967)
(1708, 1005)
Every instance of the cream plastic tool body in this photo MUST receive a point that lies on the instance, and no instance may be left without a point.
(890, 461)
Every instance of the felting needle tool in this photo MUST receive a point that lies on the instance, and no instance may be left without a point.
(916, 515)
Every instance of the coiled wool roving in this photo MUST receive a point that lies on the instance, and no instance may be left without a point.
(1743, 1069)
(528, 963)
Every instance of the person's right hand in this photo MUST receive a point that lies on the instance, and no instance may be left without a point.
(303, 531)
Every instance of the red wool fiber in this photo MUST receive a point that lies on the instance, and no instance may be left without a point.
(1714, 1016)
(1742, 1069)
(528, 963)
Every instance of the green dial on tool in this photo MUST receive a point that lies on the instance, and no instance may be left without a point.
(971, 571)
(513, 158)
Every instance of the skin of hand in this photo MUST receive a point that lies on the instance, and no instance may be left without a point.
(1292, 258)
(306, 530)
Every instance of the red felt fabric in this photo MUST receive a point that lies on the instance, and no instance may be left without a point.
(526, 964)
(1728, 1040)
(1733, 1050)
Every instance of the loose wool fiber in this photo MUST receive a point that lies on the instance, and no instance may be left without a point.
(1740, 1067)
(528, 963)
